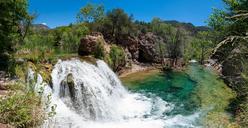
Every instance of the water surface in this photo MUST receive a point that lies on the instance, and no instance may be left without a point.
(195, 90)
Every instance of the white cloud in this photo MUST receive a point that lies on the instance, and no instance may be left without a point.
(44, 23)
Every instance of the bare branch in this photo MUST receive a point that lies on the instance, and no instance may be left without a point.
(239, 16)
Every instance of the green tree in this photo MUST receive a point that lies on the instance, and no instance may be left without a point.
(202, 46)
(67, 38)
(11, 14)
(175, 44)
(158, 27)
(119, 23)
(91, 13)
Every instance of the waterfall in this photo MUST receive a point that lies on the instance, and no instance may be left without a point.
(92, 96)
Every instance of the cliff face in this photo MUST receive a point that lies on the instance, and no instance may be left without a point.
(143, 48)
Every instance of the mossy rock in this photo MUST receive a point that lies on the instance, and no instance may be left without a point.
(70, 80)
(68, 85)
(88, 59)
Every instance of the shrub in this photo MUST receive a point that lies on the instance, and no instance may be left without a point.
(117, 56)
(99, 52)
(21, 110)
(20, 71)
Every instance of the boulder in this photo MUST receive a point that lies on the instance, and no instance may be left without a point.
(68, 87)
(89, 43)
(20, 61)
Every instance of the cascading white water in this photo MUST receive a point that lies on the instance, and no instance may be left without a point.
(92, 96)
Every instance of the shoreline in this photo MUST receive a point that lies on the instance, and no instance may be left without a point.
(136, 68)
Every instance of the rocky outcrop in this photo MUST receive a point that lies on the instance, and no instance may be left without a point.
(148, 48)
(143, 48)
(88, 45)
(132, 47)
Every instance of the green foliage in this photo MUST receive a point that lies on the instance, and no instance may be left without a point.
(158, 27)
(20, 71)
(175, 45)
(99, 52)
(108, 60)
(21, 110)
(71, 38)
(233, 23)
(117, 56)
(201, 47)
(91, 13)
(116, 25)
(217, 20)
(67, 38)
(11, 14)
(38, 41)
(119, 20)
(24, 106)
(44, 45)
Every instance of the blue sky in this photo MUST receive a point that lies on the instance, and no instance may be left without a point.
(63, 12)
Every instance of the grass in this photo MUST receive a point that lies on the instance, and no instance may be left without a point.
(21, 108)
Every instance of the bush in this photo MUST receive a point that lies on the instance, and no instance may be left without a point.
(99, 52)
(117, 56)
(21, 110)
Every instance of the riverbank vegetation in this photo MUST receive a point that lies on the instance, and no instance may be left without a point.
(231, 27)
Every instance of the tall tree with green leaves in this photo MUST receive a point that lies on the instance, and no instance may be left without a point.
(174, 44)
(11, 14)
(91, 13)
(120, 23)
(202, 45)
